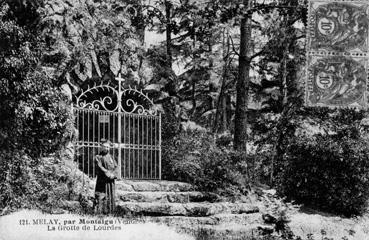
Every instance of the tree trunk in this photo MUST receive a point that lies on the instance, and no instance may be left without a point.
(221, 99)
(193, 78)
(168, 7)
(224, 115)
(240, 121)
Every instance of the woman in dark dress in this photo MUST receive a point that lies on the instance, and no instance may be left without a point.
(105, 182)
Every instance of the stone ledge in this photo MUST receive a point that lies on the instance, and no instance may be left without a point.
(165, 197)
(157, 185)
(149, 186)
(150, 209)
(187, 209)
(179, 221)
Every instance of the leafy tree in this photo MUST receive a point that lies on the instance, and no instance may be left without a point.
(192, 26)
(33, 115)
(207, 88)
(35, 119)
(279, 66)
(92, 40)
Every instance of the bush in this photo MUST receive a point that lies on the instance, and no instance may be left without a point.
(48, 183)
(329, 172)
(195, 158)
(27, 182)
(35, 116)
(171, 124)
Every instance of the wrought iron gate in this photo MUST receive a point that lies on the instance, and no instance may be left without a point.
(128, 119)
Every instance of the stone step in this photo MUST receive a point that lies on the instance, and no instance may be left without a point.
(153, 186)
(166, 197)
(187, 209)
(180, 221)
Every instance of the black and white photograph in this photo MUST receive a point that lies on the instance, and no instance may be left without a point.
(184, 119)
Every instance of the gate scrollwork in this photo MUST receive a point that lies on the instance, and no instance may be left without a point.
(115, 99)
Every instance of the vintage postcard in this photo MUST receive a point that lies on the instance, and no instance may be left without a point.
(184, 119)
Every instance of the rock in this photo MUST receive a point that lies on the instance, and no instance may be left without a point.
(204, 209)
(244, 218)
(191, 126)
(142, 196)
(71, 205)
(145, 186)
(123, 186)
(114, 61)
(95, 62)
(204, 197)
(175, 221)
(178, 197)
(151, 209)
(66, 90)
(172, 186)
(153, 186)
(244, 208)
(188, 209)
(159, 196)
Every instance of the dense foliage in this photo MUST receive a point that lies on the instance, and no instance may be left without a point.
(195, 157)
(35, 120)
(329, 169)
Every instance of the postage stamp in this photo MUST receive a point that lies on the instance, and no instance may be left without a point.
(338, 26)
(336, 81)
